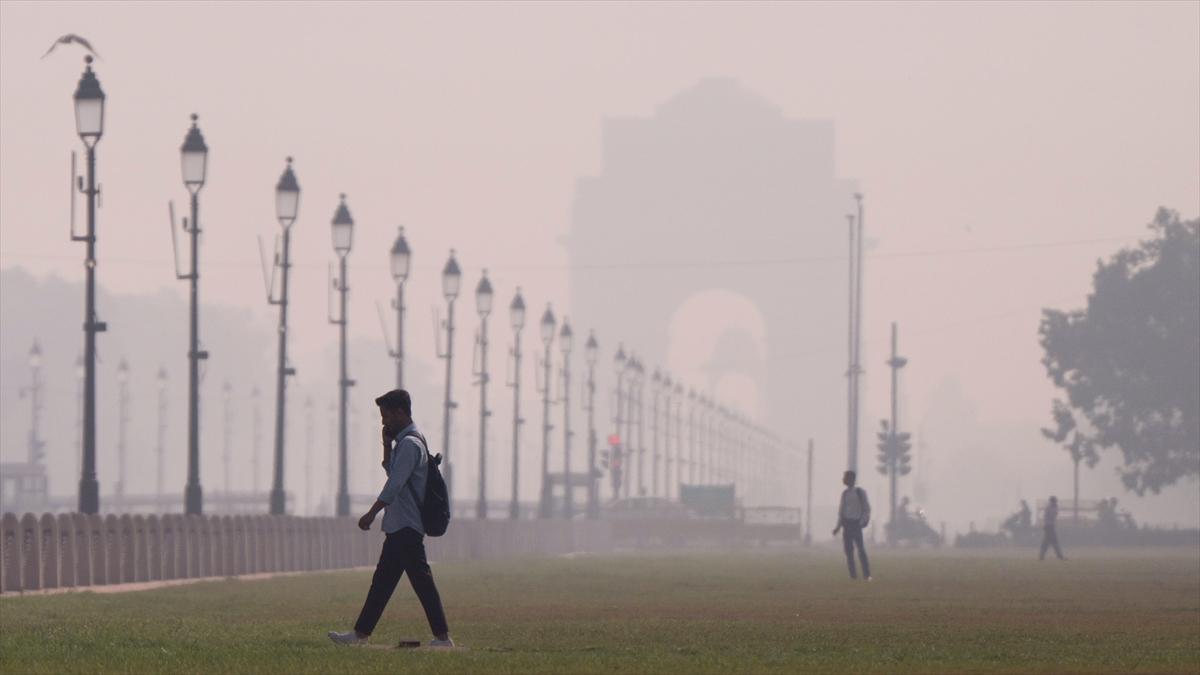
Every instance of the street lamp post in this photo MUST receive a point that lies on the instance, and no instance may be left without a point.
(122, 428)
(633, 461)
(194, 168)
(564, 343)
(160, 441)
(35, 400)
(483, 306)
(639, 382)
(89, 124)
(343, 239)
(547, 333)
(287, 207)
(591, 352)
(227, 424)
(656, 386)
(679, 460)
(516, 316)
(401, 258)
(451, 283)
(618, 455)
(79, 373)
(693, 458)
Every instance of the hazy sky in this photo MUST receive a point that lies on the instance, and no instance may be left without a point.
(968, 126)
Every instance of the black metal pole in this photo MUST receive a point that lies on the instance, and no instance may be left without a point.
(400, 335)
(277, 498)
(343, 494)
(568, 485)
(193, 494)
(655, 448)
(481, 509)
(808, 497)
(545, 510)
(448, 402)
(617, 463)
(514, 508)
(89, 487)
(858, 281)
(593, 507)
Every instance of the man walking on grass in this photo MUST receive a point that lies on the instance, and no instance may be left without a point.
(1049, 521)
(853, 515)
(406, 460)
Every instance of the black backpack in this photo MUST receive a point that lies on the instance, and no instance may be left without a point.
(435, 510)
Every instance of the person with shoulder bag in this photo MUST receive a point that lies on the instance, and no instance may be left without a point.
(854, 514)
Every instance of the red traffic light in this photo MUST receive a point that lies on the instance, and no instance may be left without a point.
(614, 439)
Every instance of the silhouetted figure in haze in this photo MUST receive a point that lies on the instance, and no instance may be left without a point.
(854, 514)
(1049, 521)
(406, 461)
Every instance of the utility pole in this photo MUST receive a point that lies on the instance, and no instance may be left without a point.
(858, 282)
(287, 206)
(894, 445)
(516, 315)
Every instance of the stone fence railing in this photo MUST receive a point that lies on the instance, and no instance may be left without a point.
(76, 550)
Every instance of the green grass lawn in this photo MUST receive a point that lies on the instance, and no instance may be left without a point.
(671, 613)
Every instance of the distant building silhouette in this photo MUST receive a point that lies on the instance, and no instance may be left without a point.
(720, 174)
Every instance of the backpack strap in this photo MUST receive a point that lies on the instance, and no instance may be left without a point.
(424, 445)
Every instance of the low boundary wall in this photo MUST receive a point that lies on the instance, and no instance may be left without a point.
(72, 550)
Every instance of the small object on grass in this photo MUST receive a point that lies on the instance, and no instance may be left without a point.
(408, 644)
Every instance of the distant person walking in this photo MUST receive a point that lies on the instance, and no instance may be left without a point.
(853, 515)
(1049, 520)
(406, 461)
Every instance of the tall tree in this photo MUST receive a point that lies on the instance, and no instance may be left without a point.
(1129, 363)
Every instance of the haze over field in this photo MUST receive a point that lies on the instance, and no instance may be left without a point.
(1001, 150)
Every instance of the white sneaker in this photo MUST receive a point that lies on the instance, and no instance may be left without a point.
(347, 638)
(441, 643)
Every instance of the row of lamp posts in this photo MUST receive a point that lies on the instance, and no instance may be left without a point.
(89, 118)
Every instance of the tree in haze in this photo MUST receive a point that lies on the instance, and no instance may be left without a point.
(1129, 363)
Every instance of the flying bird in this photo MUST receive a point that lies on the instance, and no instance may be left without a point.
(68, 39)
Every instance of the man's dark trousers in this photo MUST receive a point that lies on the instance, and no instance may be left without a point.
(851, 536)
(1050, 539)
(403, 551)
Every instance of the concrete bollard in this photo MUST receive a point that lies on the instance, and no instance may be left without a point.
(50, 554)
(66, 551)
